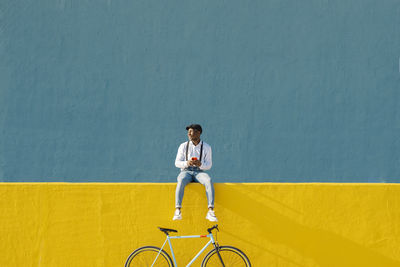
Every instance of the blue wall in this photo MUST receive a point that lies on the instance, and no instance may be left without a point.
(293, 91)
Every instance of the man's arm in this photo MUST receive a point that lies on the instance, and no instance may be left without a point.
(180, 161)
(206, 162)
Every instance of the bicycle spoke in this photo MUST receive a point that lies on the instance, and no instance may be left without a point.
(231, 257)
(145, 258)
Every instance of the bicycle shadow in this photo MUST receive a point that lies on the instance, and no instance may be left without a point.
(323, 247)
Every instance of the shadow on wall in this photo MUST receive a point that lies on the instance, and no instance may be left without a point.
(323, 247)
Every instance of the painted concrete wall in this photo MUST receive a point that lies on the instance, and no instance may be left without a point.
(294, 91)
(286, 91)
(282, 225)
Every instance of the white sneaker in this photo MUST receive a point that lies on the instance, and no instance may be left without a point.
(177, 215)
(211, 216)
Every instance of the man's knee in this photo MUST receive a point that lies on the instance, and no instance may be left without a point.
(184, 178)
(204, 178)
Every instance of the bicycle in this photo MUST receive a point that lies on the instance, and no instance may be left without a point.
(225, 256)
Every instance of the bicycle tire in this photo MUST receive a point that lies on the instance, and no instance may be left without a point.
(145, 256)
(232, 257)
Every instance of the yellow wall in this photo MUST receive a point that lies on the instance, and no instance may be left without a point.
(58, 224)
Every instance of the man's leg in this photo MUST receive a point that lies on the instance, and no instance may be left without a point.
(183, 179)
(205, 180)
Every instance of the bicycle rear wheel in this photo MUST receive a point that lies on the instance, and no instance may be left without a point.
(231, 256)
(146, 256)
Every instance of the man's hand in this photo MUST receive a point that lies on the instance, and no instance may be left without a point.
(197, 163)
(194, 163)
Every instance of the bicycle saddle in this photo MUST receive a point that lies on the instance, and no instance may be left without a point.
(166, 230)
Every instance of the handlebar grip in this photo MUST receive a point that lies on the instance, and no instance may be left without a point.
(212, 228)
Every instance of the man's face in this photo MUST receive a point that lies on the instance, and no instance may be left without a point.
(193, 134)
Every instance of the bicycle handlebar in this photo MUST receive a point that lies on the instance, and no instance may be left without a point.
(212, 228)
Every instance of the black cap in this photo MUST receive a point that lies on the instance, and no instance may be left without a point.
(195, 127)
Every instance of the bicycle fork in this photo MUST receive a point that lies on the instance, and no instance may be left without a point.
(216, 245)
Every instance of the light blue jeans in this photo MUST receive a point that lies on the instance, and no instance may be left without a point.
(193, 174)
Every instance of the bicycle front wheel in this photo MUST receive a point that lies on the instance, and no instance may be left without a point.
(231, 257)
(149, 256)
